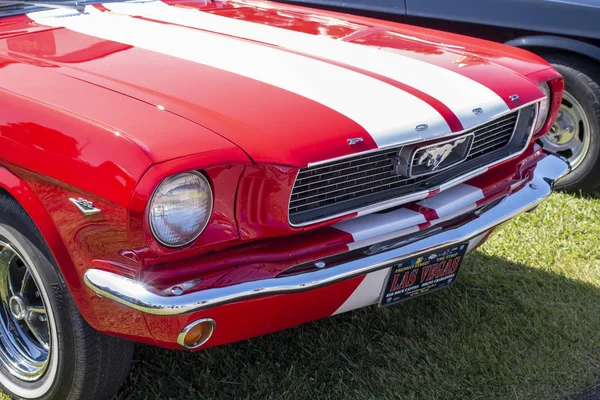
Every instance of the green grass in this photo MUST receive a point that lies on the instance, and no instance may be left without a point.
(522, 322)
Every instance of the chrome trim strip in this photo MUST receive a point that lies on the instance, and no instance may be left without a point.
(409, 142)
(136, 295)
(409, 198)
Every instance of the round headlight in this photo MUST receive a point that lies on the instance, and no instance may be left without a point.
(544, 108)
(180, 209)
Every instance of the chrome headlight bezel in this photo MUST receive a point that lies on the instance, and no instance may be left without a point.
(203, 223)
(543, 107)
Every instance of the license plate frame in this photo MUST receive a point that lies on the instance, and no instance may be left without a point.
(423, 274)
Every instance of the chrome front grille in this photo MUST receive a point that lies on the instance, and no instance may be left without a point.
(326, 182)
(493, 137)
(338, 187)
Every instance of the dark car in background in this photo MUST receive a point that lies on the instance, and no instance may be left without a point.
(564, 32)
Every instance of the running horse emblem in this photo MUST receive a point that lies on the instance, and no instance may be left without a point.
(434, 156)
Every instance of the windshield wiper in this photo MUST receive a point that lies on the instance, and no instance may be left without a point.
(72, 5)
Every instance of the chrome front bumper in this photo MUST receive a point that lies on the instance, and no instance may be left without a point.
(136, 295)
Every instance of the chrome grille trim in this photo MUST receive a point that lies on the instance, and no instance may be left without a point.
(382, 154)
(382, 161)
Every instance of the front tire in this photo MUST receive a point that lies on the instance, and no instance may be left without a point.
(47, 350)
(576, 133)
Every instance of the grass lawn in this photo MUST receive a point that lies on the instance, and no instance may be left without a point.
(522, 322)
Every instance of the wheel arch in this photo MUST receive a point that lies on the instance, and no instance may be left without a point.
(544, 43)
(13, 186)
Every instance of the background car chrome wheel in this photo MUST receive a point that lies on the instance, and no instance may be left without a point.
(24, 328)
(570, 134)
(576, 132)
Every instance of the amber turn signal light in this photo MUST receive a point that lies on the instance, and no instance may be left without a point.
(196, 334)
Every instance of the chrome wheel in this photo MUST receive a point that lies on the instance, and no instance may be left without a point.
(570, 134)
(24, 329)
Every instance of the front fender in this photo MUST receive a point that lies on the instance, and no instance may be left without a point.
(92, 308)
(22, 193)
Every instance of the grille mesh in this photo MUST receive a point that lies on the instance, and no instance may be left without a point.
(364, 175)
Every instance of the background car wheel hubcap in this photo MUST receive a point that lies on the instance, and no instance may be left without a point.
(570, 134)
(24, 328)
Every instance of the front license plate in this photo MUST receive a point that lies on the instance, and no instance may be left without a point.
(424, 274)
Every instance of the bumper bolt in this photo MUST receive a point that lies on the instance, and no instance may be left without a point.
(176, 290)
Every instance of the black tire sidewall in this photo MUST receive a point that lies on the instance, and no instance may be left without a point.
(29, 244)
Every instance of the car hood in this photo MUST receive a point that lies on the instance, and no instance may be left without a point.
(287, 85)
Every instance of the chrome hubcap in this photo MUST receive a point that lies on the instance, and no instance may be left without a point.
(18, 308)
(24, 328)
(570, 134)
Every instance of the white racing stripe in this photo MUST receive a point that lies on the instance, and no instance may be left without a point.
(376, 228)
(461, 94)
(367, 292)
(455, 198)
(383, 110)
(383, 238)
(373, 225)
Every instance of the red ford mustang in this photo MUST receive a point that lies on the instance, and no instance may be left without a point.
(189, 174)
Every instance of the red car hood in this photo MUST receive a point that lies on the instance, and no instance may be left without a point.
(287, 85)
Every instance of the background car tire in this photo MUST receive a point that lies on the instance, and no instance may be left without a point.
(582, 83)
(82, 363)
